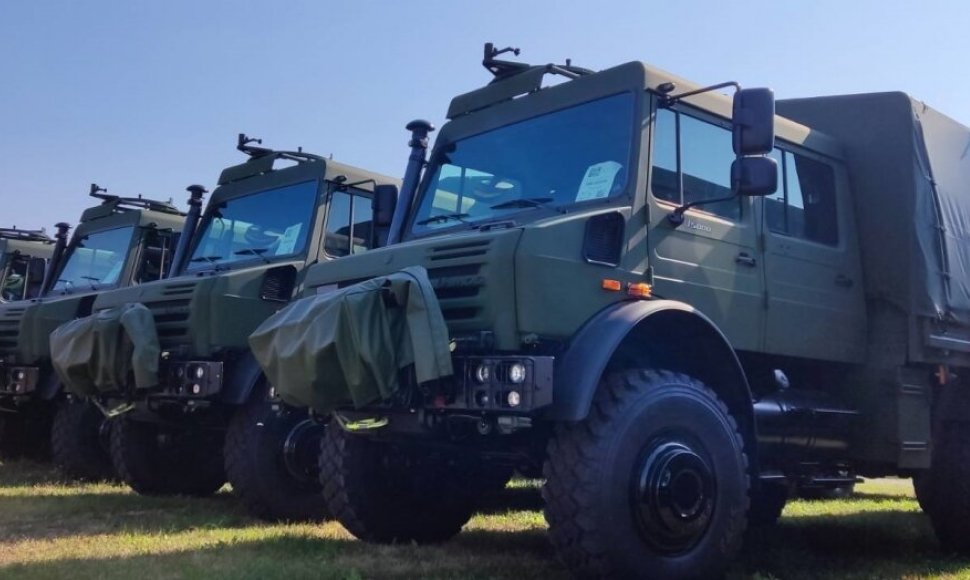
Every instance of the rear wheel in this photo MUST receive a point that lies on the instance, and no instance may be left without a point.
(79, 441)
(654, 482)
(944, 490)
(385, 493)
(271, 462)
(158, 459)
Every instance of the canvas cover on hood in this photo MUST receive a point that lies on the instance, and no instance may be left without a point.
(100, 352)
(346, 347)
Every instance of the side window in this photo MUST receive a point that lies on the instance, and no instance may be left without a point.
(702, 171)
(156, 256)
(806, 207)
(348, 224)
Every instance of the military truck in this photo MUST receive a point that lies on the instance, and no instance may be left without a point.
(24, 255)
(122, 241)
(269, 219)
(676, 306)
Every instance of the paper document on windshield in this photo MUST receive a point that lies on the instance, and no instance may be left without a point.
(598, 181)
(288, 240)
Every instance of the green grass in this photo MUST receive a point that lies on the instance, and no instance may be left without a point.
(52, 529)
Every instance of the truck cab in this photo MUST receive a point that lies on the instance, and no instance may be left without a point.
(119, 242)
(24, 256)
(267, 222)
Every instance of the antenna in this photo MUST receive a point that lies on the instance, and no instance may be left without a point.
(243, 144)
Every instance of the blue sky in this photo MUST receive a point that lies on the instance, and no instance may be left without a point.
(147, 97)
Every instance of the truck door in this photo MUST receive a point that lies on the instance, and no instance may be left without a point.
(816, 305)
(712, 260)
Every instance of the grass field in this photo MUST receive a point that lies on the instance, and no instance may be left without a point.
(49, 529)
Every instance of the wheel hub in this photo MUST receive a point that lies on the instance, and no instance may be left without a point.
(300, 448)
(673, 496)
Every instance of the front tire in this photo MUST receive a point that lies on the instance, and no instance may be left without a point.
(271, 462)
(389, 494)
(161, 460)
(79, 441)
(653, 483)
(944, 490)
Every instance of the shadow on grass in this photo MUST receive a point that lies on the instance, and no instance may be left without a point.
(877, 544)
(19, 472)
(480, 555)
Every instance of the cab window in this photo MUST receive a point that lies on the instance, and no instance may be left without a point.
(695, 167)
(348, 224)
(805, 207)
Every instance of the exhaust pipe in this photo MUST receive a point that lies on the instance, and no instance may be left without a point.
(60, 245)
(412, 176)
(188, 230)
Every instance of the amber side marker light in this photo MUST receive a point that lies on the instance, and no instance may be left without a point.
(612, 285)
(639, 290)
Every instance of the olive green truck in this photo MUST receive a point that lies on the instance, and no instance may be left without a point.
(169, 360)
(674, 308)
(119, 242)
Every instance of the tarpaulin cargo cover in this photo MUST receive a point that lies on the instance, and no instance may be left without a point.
(909, 167)
(346, 347)
(99, 352)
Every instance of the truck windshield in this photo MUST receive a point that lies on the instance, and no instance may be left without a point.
(95, 260)
(259, 226)
(555, 160)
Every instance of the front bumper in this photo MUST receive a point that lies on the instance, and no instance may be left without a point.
(189, 379)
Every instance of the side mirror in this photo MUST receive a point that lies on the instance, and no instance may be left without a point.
(754, 176)
(383, 205)
(753, 121)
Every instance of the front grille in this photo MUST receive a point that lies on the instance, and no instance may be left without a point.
(457, 273)
(10, 327)
(171, 313)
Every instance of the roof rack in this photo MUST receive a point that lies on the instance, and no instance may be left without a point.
(27, 235)
(132, 202)
(261, 159)
(510, 80)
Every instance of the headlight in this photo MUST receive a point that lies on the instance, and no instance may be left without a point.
(517, 373)
(198, 372)
(514, 398)
(482, 374)
(196, 389)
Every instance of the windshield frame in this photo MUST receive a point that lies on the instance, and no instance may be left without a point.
(535, 213)
(94, 286)
(322, 189)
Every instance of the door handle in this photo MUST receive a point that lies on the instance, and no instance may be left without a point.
(746, 260)
(844, 281)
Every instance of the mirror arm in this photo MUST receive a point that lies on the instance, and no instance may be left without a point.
(676, 217)
(668, 100)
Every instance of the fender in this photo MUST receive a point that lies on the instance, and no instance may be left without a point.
(49, 385)
(242, 378)
(661, 333)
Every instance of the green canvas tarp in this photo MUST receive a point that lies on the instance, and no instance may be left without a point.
(346, 347)
(99, 352)
(909, 167)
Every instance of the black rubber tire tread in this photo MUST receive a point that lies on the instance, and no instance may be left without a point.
(944, 491)
(257, 475)
(76, 447)
(425, 504)
(767, 504)
(574, 475)
(26, 434)
(193, 468)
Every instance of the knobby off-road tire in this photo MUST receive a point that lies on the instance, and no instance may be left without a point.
(944, 490)
(25, 434)
(391, 494)
(271, 462)
(78, 443)
(767, 504)
(653, 483)
(161, 460)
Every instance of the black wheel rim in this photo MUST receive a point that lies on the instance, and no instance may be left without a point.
(300, 448)
(673, 496)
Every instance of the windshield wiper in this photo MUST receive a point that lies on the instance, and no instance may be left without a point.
(254, 252)
(210, 259)
(91, 280)
(444, 218)
(523, 202)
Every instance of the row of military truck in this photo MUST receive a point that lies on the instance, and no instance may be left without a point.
(673, 305)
